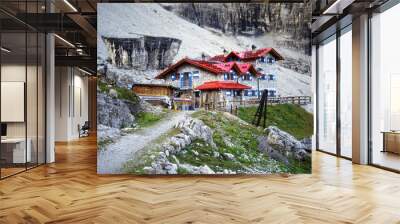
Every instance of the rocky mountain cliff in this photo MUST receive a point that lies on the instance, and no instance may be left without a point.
(137, 41)
(142, 53)
(252, 19)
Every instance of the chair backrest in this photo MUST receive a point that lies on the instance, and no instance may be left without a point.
(86, 125)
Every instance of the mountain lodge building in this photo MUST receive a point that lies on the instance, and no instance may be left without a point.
(252, 71)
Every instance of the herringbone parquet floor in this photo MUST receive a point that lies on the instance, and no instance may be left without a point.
(70, 191)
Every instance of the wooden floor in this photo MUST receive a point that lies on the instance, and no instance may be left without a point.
(387, 159)
(5, 172)
(70, 191)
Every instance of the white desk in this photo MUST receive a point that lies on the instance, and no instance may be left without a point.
(19, 154)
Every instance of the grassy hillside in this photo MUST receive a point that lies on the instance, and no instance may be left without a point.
(145, 119)
(232, 137)
(122, 93)
(288, 117)
(239, 139)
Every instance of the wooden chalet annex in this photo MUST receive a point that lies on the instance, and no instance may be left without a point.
(157, 94)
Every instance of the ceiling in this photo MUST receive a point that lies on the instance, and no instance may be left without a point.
(332, 15)
(73, 22)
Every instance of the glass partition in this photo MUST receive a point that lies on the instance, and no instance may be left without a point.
(346, 93)
(22, 88)
(41, 97)
(327, 96)
(13, 94)
(385, 89)
(32, 98)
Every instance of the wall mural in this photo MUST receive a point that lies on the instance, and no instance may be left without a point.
(204, 88)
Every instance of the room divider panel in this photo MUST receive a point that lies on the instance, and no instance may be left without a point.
(22, 77)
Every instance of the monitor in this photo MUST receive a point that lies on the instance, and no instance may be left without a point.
(3, 129)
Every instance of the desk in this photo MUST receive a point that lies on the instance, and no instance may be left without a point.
(13, 150)
(391, 141)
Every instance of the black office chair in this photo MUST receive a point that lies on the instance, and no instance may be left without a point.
(84, 130)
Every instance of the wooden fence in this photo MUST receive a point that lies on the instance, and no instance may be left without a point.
(299, 100)
(232, 106)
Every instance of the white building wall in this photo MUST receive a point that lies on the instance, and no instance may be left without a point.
(255, 84)
(268, 69)
(204, 76)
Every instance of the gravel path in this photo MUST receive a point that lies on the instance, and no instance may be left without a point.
(110, 161)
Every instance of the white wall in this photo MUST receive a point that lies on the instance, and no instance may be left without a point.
(12, 73)
(50, 95)
(71, 102)
(17, 73)
(80, 109)
(62, 81)
(34, 125)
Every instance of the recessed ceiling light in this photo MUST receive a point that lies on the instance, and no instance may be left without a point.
(70, 5)
(84, 71)
(337, 7)
(64, 40)
(5, 50)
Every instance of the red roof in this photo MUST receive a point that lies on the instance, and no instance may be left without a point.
(240, 68)
(248, 55)
(217, 85)
(197, 63)
(216, 68)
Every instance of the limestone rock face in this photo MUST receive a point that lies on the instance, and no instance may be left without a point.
(143, 52)
(254, 19)
(299, 65)
(114, 112)
(244, 17)
(307, 142)
(251, 18)
(280, 145)
(194, 128)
